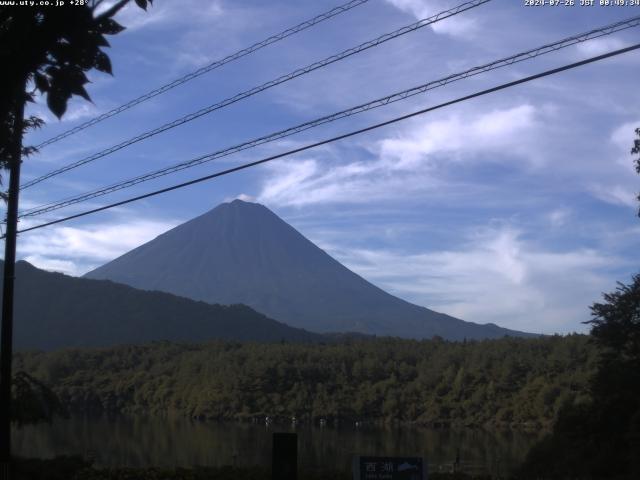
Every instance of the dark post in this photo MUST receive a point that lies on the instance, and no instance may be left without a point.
(6, 331)
(285, 456)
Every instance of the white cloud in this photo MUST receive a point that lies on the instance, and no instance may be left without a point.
(243, 196)
(312, 181)
(495, 131)
(458, 26)
(169, 12)
(622, 137)
(495, 276)
(75, 251)
(206, 30)
(80, 111)
(77, 109)
(405, 163)
(559, 217)
(615, 195)
(602, 45)
(617, 181)
(52, 264)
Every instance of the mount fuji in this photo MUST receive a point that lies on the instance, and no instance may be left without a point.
(243, 253)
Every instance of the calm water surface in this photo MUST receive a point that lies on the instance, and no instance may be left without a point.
(138, 441)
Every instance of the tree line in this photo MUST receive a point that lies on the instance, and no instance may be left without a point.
(505, 382)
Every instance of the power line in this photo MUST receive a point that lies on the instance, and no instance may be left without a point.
(342, 137)
(212, 66)
(265, 86)
(632, 22)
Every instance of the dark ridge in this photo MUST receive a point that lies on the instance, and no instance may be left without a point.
(53, 310)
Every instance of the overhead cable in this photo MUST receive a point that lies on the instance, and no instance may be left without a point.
(395, 97)
(339, 137)
(260, 88)
(212, 66)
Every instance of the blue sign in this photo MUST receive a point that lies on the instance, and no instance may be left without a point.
(389, 468)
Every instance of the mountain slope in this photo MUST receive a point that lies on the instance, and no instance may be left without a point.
(241, 252)
(53, 310)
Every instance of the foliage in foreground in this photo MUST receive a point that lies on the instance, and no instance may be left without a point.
(32, 401)
(507, 382)
(75, 468)
(601, 439)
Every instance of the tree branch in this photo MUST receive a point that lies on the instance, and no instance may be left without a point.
(113, 10)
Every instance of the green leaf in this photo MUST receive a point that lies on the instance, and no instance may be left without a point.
(41, 81)
(100, 40)
(70, 80)
(80, 91)
(57, 102)
(109, 26)
(102, 63)
(33, 122)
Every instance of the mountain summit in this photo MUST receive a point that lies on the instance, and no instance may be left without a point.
(242, 252)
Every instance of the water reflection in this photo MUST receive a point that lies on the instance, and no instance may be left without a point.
(139, 441)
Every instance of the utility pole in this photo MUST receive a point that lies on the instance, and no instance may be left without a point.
(6, 330)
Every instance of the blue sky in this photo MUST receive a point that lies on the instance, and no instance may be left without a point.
(515, 208)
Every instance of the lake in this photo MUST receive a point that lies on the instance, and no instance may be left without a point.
(139, 441)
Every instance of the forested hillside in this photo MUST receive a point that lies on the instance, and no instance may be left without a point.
(54, 311)
(507, 382)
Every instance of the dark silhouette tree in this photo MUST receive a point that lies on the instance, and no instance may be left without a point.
(616, 325)
(615, 387)
(46, 49)
(33, 401)
(635, 150)
(51, 49)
